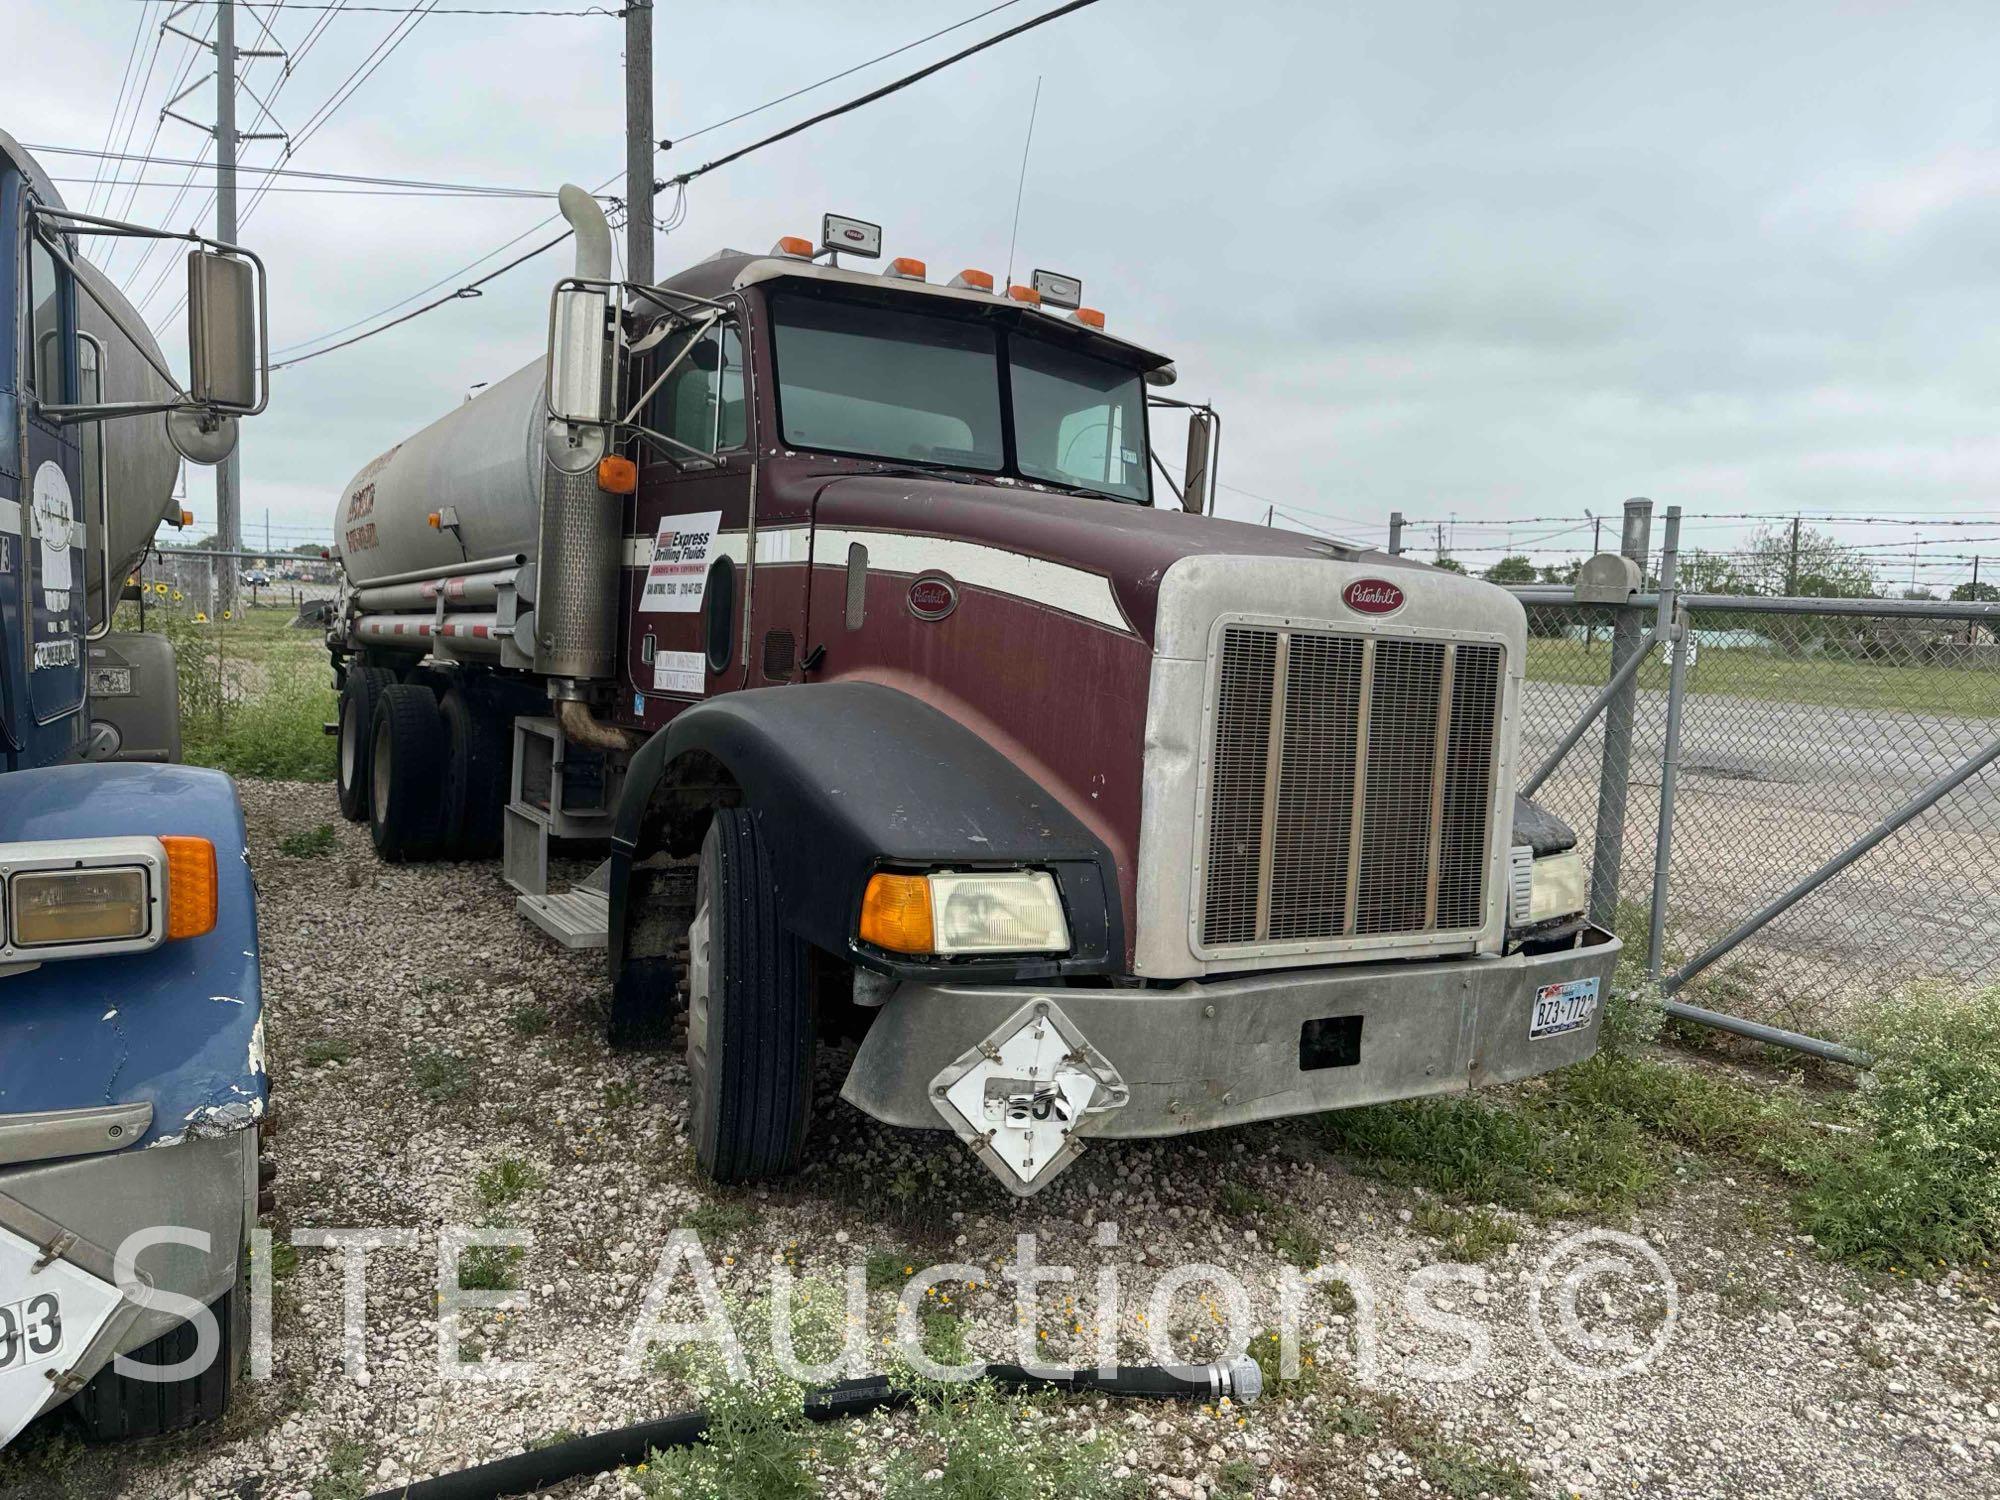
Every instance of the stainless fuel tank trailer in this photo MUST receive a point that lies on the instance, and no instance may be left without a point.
(463, 540)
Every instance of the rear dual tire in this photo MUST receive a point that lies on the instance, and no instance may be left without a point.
(360, 694)
(406, 774)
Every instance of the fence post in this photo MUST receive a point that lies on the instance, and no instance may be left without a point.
(1395, 533)
(1628, 638)
(1676, 635)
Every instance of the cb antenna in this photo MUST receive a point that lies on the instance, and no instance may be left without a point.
(1020, 187)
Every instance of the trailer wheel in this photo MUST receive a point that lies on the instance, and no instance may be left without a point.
(359, 694)
(405, 774)
(115, 1408)
(437, 679)
(477, 752)
(750, 1025)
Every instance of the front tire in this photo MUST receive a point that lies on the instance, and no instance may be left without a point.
(750, 1023)
(114, 1408)
(360, 692)
(405, 774)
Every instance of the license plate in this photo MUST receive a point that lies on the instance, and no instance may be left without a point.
(1567, 1006)
(110, 682)
(48, 1317)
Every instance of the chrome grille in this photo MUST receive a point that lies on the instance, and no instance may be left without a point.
(1350, 784)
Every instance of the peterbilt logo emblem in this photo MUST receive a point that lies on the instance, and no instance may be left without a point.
(933, 596)
(1372, 596)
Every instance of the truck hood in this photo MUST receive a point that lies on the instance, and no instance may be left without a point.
(1130, 546)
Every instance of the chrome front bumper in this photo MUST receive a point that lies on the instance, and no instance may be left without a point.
(1208, 1053)
(84, 1208)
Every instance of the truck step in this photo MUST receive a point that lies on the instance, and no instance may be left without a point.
(576, 919)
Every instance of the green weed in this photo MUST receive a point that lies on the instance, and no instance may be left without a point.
(311, 843)
(442, 1076)
(506, 1181)
(974, 1443)
(1921, 1185)
(347, 1463)
(530, 1021)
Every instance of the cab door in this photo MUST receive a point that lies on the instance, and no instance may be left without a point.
(51, 535)
(686, 571)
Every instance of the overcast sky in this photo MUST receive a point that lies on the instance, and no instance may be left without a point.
(1490, 261)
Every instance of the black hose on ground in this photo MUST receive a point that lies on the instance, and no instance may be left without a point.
(541, 1468)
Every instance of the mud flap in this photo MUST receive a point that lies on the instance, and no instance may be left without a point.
(1021, 1097)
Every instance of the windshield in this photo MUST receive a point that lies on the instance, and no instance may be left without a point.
(888, 383)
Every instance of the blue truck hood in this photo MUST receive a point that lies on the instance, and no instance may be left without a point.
(181, 1027)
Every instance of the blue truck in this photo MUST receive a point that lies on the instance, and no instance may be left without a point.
(132, 1075)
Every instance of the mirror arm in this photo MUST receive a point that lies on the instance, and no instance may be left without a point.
(696, 458)
(695, 333)
(39, 213)
(1166, 478)
(138, 342)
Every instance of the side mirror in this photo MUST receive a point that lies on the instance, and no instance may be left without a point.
(581, 347)
(222, 331)
(1202, 425)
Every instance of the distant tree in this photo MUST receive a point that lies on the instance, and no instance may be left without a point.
(1976, 593)
(1562, 572)
(308, 549)
(1449, 564)
(1699, 572)
(1826, 568)
(1510, 570)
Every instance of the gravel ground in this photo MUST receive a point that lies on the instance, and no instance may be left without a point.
(420, 1035)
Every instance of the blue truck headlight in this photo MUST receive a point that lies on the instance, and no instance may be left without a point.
(105, 904)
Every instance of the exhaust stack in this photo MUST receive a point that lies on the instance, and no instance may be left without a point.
(593, 233)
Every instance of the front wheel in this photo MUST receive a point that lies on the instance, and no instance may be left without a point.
(750, 1023)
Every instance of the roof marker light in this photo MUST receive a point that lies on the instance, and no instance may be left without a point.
(972, 281)
(1025, 294)
(905, 268)
(1089, 317)
(794, 246)
(1058, 290)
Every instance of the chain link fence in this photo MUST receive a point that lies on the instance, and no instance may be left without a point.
(1798, 729)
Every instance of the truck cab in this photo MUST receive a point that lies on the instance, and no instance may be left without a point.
(917, 696)
(131, 1024)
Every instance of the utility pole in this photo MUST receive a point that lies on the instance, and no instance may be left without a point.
(229, 473)
(1792, 565)
(1395, 533)
(639, 141)
(228, 491)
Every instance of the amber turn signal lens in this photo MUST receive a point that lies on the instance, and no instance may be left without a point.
(896, 913)
(791, 244)
(616, 475)
(1025, 294)
(191, 886)
(977, 281)
(1090, 317)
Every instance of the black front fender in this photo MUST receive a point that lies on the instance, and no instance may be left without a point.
(846, 778)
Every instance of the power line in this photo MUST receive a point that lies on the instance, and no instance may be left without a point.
(685, 136)
(883, 92)
(470, 289)
(274, 171)
(407, 10)
(680, 182)
(124, 86)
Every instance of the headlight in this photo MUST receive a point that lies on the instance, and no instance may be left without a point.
(999, 911)
(1558, 887)
(85, 898)
(79, 906)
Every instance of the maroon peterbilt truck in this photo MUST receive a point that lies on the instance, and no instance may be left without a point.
(852, 618)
